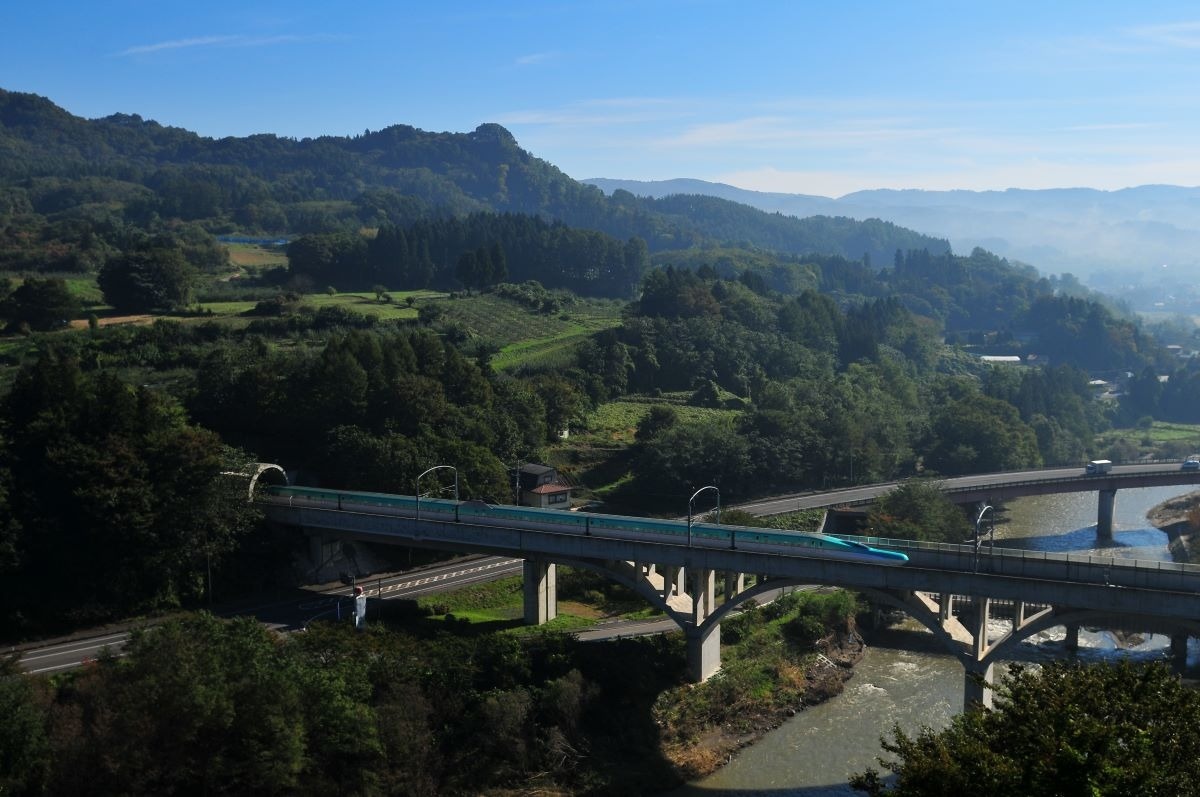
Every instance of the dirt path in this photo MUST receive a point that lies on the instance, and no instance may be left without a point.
(116, 320)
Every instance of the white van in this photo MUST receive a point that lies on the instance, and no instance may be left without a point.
(1098, 466)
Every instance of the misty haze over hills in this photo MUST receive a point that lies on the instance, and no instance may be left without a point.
(1115, 241)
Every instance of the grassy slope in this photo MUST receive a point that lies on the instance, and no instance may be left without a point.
(1162, 440)
(526, 337)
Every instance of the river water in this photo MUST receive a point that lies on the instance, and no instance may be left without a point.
(908, 679)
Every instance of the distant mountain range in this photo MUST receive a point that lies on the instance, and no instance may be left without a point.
(1105, 236)
(61, 175)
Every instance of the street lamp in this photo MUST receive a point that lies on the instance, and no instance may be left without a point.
(693, 498)
(431, 470)
(978, 540)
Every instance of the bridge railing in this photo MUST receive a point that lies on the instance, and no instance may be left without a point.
(1021, 553)
(1081, 477)
(1086, 568)
(1059, 480)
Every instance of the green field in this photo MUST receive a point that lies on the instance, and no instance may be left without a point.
(501, 603)
(523, 336)
(256, 258)
(1159, 440)
(363, 302)
(1163, 431)
(616, 421)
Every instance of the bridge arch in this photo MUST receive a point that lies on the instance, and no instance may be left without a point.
(628, 575)
(624, 574)
(1050, 618)
(919, 611)
(979, 655)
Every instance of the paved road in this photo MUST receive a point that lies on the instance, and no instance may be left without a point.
(66, 653)
(866, 494)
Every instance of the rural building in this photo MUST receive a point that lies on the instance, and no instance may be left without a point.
(539, 485)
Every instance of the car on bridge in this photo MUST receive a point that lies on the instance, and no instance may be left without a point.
(1192, 462)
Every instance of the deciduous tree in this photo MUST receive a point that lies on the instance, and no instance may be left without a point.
(1099, 730)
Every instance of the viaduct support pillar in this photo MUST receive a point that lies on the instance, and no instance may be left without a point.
(1071, 643)
(734, 583)
(977, 684)
(703, 644)
(541, 591)
(674, 581)
(977, 690)
(704, 594)
(703, 652)
(1179, 652)
(1104, 515)
(945, 607)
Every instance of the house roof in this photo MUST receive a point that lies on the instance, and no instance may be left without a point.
(546, 489)
(534, 469)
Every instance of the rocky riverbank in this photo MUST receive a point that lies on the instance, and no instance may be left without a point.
(1172, 517)
(823, 678)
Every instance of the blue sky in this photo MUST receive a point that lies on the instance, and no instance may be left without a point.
(802, 97)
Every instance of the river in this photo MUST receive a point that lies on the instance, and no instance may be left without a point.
(907, 679)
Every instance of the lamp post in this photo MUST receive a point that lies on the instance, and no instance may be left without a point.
(978, 540)
(431, 470)
(693, 498)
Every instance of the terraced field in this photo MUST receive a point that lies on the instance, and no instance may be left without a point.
(526, 337)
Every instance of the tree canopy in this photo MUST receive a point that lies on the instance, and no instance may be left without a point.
(918, 510)
(1064, 729)
(147, 279)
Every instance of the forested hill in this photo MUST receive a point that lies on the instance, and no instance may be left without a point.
(731, 221)
(57, 168)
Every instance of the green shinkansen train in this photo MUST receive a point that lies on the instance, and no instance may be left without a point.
(707, 535)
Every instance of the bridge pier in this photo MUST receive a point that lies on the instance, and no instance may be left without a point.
(1179, 652)
(977, 685)
(1071, 643)
(704, 594)
(703, 651)
(1104, 515)
(945, 605)
(703, 643)
(734, 583)
(541, 591)
(674, 582)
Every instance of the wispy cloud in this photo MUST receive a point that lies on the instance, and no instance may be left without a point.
(1176, 34)
(236, 40)
(602, 112)
(537, 58)
(1104, 127)
(786, 132)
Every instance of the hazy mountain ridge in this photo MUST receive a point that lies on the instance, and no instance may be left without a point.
(52, 162)
(1079, 230)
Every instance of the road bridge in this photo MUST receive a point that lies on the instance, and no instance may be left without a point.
(679, 577)
(992, 488)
